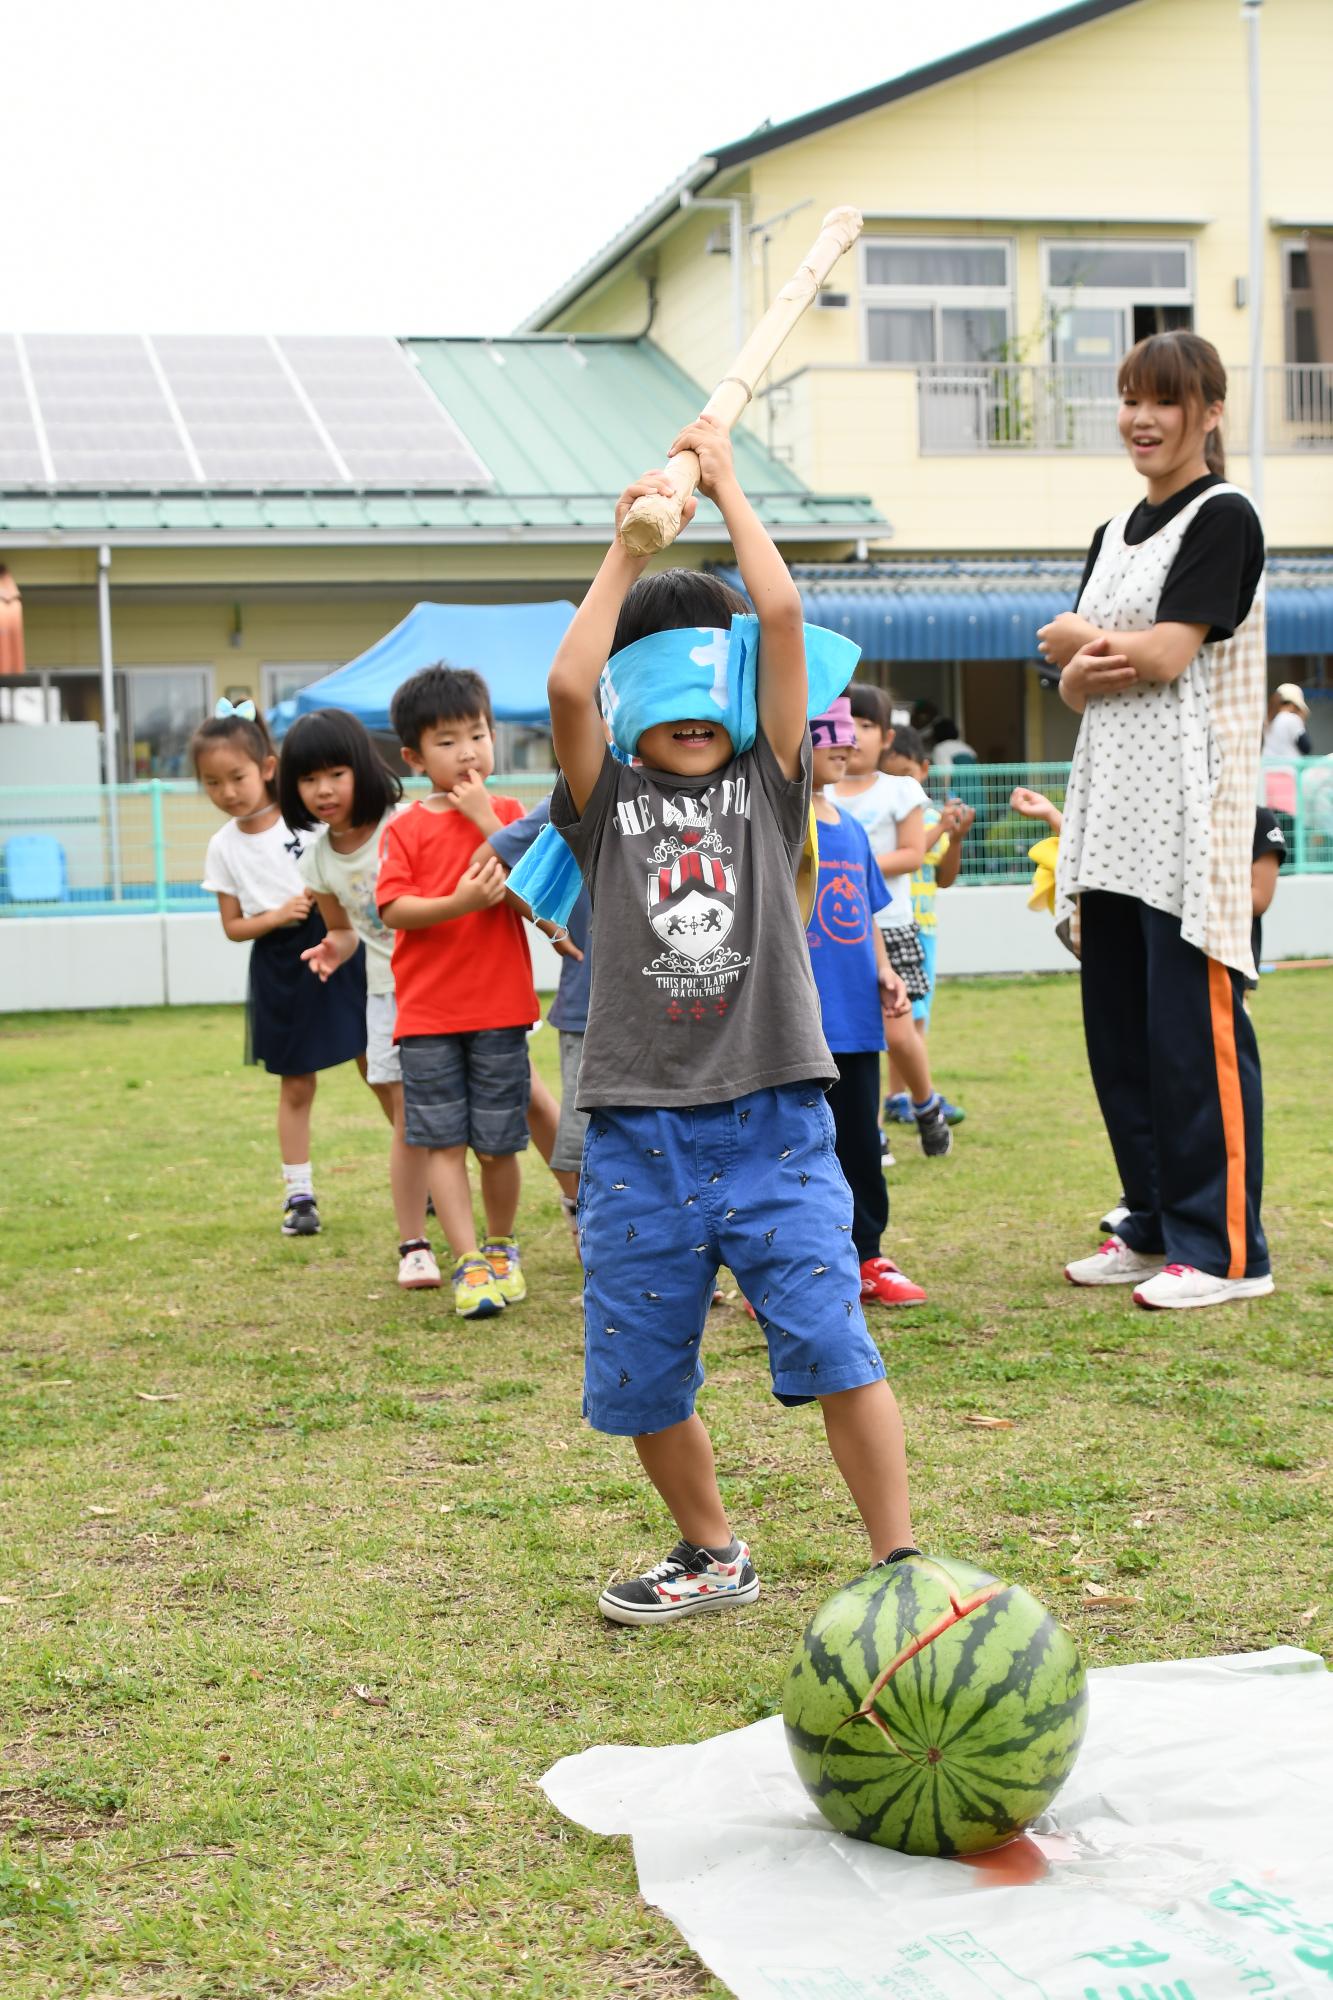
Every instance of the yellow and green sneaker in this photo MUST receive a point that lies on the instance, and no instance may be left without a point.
(476, 1294)
(503, 1256)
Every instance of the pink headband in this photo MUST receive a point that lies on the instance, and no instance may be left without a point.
(835, 728)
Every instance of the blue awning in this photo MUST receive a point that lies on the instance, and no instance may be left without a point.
(510, 645)
(991, 610)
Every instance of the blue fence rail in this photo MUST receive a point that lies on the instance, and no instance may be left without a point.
(106, 850)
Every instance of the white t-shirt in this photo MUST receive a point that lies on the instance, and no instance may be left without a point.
(351, 878)
(1282, 738)
(259, 869)
(946, 754)
(880, 809)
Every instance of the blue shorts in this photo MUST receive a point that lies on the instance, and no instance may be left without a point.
(921, 1008)
(667, 1196)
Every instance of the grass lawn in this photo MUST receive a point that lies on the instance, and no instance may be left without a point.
(297, 1574)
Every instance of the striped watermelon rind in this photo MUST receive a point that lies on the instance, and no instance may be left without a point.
(933, 1709)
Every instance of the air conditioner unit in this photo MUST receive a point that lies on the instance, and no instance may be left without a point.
(826, 301)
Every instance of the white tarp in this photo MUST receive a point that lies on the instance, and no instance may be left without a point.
(1187, 1858)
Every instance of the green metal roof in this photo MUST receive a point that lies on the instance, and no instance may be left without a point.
(562, 423)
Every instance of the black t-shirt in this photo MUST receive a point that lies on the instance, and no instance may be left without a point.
(1268, 839)
(1218, 564)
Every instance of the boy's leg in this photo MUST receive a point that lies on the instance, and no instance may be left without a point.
(854, 1102)
(446, 1174)
(679, 1461)
(499, 1088)
(543, 1113)
(865, 1434)
(501, 1185)
(650, 1259)
(435, 1118)
(907, 1053)
(407, 1174)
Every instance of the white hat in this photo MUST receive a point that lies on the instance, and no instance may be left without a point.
(1289, 692)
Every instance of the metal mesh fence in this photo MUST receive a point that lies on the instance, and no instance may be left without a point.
(102, 850)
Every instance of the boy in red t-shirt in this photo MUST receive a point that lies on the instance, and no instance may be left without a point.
(463, 979)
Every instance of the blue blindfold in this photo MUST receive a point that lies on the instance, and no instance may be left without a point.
(700, 674)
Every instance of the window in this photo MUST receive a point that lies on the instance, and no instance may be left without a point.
(165, 706)
(935, 301)
(280, 683)
(158, 709)
(1303, 262)
(1102, 297)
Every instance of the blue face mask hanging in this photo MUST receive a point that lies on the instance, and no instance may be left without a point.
(695, 673)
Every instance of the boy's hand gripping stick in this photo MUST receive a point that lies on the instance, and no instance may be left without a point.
(653, 522)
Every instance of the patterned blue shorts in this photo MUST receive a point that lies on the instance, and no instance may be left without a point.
(667, 1196)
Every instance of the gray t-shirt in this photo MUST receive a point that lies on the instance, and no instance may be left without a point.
(701, 982)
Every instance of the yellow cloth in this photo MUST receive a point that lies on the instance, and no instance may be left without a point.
(807, 870)
(1042, 894)
(923, 882)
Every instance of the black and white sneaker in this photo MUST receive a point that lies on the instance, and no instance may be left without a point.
(689, 1580)
(934, 1130)
(300, 1217)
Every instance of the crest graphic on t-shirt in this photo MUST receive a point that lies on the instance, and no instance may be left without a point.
(692, 901)
(692, 904)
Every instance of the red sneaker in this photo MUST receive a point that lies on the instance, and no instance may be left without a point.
(882, 1283)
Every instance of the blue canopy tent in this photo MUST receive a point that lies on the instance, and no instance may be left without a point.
(511, 645)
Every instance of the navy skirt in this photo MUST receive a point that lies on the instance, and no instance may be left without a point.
(295, 1022)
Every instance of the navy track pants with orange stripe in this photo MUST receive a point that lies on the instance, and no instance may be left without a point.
(1176, 1070)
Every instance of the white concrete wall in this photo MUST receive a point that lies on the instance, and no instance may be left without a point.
(66, 962)
(54, 963)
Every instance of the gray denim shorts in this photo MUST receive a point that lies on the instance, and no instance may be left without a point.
(467, 1090)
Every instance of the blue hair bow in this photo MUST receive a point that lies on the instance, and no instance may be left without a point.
(694, 673)
(245, 709)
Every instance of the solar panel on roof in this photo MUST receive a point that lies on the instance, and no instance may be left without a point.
(106, 419)
(21, 462)
(246, 419)
(185, 410)
(383, 419)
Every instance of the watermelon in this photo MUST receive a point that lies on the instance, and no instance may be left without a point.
(933, 1709)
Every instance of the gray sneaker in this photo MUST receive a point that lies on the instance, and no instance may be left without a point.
(934, 1130)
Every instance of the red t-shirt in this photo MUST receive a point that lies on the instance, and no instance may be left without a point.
(471, 972)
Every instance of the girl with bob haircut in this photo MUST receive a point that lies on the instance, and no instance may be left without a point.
(293, 1027)
(1165, 662)
(332, 780)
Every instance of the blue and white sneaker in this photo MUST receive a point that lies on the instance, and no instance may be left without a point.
(953, 1113)
(689, 1580)
(898, 1108)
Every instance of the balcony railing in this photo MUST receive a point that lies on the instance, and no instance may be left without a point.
(1020, 406)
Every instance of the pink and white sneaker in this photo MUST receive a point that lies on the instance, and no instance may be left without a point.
(689, 1580)
(1113, 1264)
(1181, 1286)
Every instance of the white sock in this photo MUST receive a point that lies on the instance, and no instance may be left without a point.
(297, 1180)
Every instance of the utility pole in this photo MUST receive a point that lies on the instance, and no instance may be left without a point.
(1250, 15)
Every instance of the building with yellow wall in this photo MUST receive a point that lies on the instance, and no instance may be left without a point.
(1032, 206)
(932, 452)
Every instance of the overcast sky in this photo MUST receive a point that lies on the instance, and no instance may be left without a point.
(398, 166)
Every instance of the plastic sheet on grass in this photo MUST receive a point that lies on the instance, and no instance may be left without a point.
(1187, 1858)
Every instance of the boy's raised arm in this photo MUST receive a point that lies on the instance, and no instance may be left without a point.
(783, 691)
(571, 685)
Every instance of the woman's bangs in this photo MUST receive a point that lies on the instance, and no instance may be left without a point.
(1156, 368)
